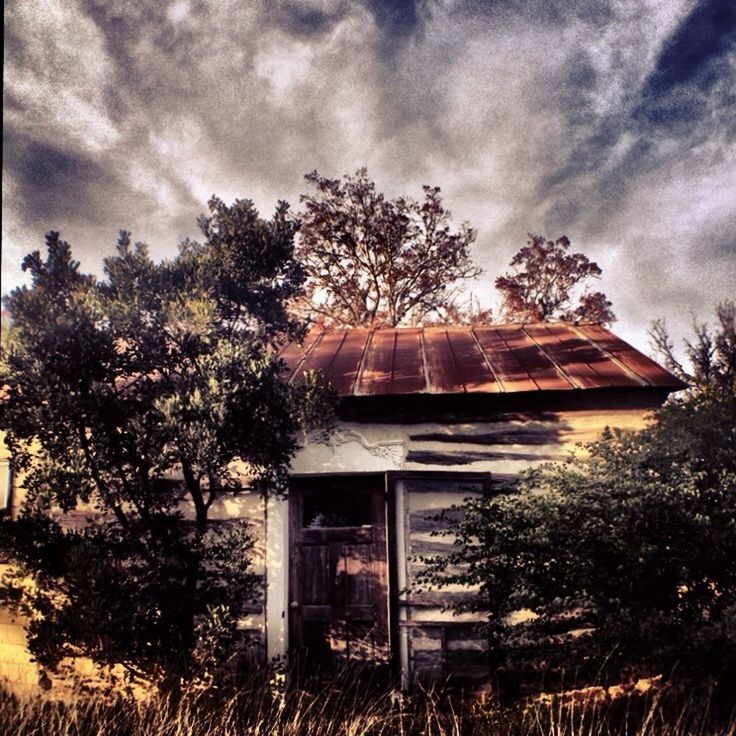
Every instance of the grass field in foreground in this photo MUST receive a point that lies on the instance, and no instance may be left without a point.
(351, 709)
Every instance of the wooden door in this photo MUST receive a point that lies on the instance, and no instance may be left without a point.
(338, 610)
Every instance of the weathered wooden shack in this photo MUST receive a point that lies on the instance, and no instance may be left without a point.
(426, 417)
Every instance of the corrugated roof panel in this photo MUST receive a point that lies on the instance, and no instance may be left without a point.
(609, 370)
(377, 368)
(563, 350)
(646, 369)
(506, 365)
(470, 362)
(344, 368)
(293, 353)
(540, 368)
(321, 356)
(408, 370)
(441, 369)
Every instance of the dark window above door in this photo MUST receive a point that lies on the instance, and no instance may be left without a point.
(342, 501)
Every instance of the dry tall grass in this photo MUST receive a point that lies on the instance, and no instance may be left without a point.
(353, 709)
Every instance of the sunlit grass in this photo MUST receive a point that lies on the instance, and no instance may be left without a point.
(351, 708)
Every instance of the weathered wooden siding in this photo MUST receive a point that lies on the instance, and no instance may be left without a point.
(437, 643)
(513, 442)
(506, 445)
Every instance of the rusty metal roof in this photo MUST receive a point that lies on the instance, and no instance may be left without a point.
(493, 359)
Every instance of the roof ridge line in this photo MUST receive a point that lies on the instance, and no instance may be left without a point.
(449, 325)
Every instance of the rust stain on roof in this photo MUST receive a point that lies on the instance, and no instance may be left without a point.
(554, 356)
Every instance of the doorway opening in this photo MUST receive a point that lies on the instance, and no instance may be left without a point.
(338, 576)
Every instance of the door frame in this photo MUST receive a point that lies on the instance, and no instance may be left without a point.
(292, 520)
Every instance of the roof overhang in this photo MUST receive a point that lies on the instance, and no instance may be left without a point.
(414, 408)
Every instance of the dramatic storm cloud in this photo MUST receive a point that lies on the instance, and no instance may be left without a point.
(613, 122)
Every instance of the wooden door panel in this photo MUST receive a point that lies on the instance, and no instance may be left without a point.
(364, 645)
(316, 574)
(338, 576)
(360, 572)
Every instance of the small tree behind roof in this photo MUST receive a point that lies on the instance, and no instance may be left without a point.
(547, 281)
(371, 260)
(711, 353)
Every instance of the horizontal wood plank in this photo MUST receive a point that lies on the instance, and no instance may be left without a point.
(438, 457)
(545, 435)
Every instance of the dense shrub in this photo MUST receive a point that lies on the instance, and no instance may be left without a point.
(622, 562)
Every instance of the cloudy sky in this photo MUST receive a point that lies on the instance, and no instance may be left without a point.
(613, 122)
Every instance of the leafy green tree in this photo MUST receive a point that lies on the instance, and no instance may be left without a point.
(132, 399)
(622, 562)
(370, 260)
(545, 282)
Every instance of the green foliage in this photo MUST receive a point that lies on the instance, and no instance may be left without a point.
(546, 281)
(625, 561)
(132, 398)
